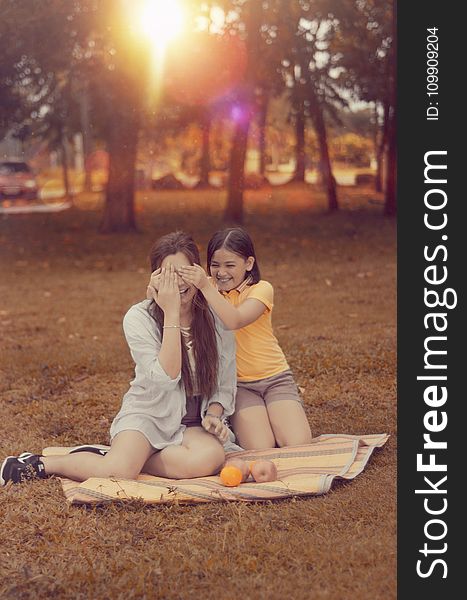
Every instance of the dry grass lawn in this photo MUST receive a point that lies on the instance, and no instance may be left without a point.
(65, 365)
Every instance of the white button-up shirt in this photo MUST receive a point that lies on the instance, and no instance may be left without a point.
(155, 403)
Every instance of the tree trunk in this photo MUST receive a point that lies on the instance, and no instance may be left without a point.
(234, 209)
(262, 116)
(329, 181)
(205, 162)
(299, 174)
(390, 194)
(381, 149)
(86, 133)
(379, 168)
(64, 161)
(122, 146)
(127, 97)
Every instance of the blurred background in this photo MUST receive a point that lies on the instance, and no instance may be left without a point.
(113, 97)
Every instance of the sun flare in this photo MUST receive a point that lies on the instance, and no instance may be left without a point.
(161, 21)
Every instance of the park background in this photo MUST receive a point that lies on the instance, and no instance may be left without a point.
(148, 116)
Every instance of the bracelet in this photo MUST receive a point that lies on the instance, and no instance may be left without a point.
(170, 326)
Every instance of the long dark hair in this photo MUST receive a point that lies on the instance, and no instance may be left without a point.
(237, 240)
(203, 330)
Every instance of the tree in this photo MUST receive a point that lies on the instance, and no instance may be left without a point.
(325, 162)
(40, 82)
(365, 45)
(298, 102)
(390, 195)
(308, 65)
(97, 47)
(262, 122)
(242, 114)
(126, 83)
(256, 23)
(205, 160)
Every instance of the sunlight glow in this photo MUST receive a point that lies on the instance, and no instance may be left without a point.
(214, 23)
(161, 21)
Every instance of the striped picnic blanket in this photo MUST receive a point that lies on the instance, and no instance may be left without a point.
(302, 471)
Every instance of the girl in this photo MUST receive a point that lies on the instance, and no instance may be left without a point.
(268, 411)
(171, 420)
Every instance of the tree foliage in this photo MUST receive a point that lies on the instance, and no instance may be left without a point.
(365, 47)
(94, 77)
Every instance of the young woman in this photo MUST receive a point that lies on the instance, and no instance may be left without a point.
(171, 420)
(269, 410)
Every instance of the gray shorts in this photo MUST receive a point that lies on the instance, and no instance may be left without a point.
(264, 391)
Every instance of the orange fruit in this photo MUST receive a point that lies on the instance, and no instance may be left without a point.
(231, 476)
(240, 464)
(264, 470)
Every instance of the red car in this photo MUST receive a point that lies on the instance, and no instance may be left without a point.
(17, 181)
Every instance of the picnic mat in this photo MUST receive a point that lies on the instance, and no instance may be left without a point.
(302, 471)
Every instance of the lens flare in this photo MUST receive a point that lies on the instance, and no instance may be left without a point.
(161, 21)
(208, 69)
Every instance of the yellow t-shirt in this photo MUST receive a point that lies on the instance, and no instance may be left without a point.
(258, 352)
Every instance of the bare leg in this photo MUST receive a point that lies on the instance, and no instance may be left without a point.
(289, 423)
(125, 459)
(199, 455)
(250, 421)
(252, 427)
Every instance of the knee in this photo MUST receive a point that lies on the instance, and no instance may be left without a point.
(257, 441)
(253, 437)
(121, 471)
(258, 445)
(125, 474)
(206, 462)
(294, 439)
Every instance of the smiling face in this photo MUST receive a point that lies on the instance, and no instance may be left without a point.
(187, 291)
(229, 269)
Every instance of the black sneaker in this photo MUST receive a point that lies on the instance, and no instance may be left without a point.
(22, 468)
(94, 448)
